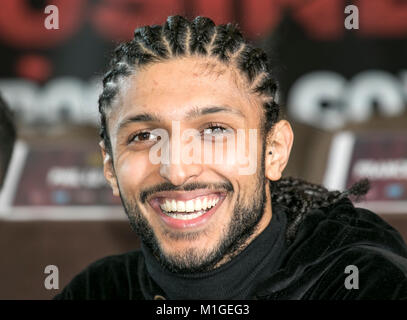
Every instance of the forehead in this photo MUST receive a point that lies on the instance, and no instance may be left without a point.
(172, 88)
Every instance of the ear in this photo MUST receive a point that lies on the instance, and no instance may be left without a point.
(279, 142)
(108, 169)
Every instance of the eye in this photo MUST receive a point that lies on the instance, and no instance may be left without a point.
(144, 136)
(215, 129)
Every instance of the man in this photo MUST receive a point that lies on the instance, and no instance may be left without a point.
(214, 228)
(7, 139)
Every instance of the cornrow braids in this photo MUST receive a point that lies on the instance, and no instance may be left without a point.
(202, 32)
(300, 197)
(179, 37)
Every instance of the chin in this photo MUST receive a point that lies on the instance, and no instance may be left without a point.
(184, 245)
(186, 241)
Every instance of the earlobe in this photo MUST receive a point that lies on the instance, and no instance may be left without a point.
(108, 169)
(272, 170)
(278, 148)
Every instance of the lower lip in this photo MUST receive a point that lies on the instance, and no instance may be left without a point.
(193, 223)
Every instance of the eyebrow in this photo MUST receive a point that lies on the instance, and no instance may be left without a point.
(198, 112)
(142, 117)
(192, 114)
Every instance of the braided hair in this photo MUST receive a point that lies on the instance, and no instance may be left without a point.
(179, 37)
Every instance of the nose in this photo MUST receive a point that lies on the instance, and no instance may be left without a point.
(180, 173)
(180, 168)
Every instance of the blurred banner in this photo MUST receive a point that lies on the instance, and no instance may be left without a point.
(380, 157)
(339, 63)
(58, 182)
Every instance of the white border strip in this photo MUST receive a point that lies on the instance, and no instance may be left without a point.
(339, 159)
(73, 213)
(14, 171)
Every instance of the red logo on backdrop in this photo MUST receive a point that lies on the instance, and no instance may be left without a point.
(34, 67)
(23, 26)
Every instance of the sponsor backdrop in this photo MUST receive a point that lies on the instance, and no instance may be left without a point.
(342, 71)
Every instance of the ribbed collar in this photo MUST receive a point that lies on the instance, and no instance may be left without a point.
(233, 280)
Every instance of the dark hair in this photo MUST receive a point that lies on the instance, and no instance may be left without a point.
(7, 138)
(201, 37)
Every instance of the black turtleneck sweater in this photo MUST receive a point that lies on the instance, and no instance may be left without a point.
(312, 267)
(234, 280)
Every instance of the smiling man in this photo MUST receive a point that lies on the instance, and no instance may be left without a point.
(181, 94)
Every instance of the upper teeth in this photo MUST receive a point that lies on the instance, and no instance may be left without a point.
(188, 206)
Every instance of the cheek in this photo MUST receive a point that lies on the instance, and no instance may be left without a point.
(240, 156)
(132, 169)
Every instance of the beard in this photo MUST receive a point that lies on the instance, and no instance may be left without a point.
(243, 224)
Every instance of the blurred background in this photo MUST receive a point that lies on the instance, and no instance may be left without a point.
(342, 71)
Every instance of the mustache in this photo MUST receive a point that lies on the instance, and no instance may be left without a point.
(168, 186)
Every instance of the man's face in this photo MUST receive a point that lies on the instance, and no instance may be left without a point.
(191, 215)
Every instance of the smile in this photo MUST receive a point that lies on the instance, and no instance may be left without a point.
(186, 209)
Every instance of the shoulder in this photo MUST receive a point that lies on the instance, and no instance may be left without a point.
(342, 225)
(341, 241)
(360, 272)
(111, 277)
